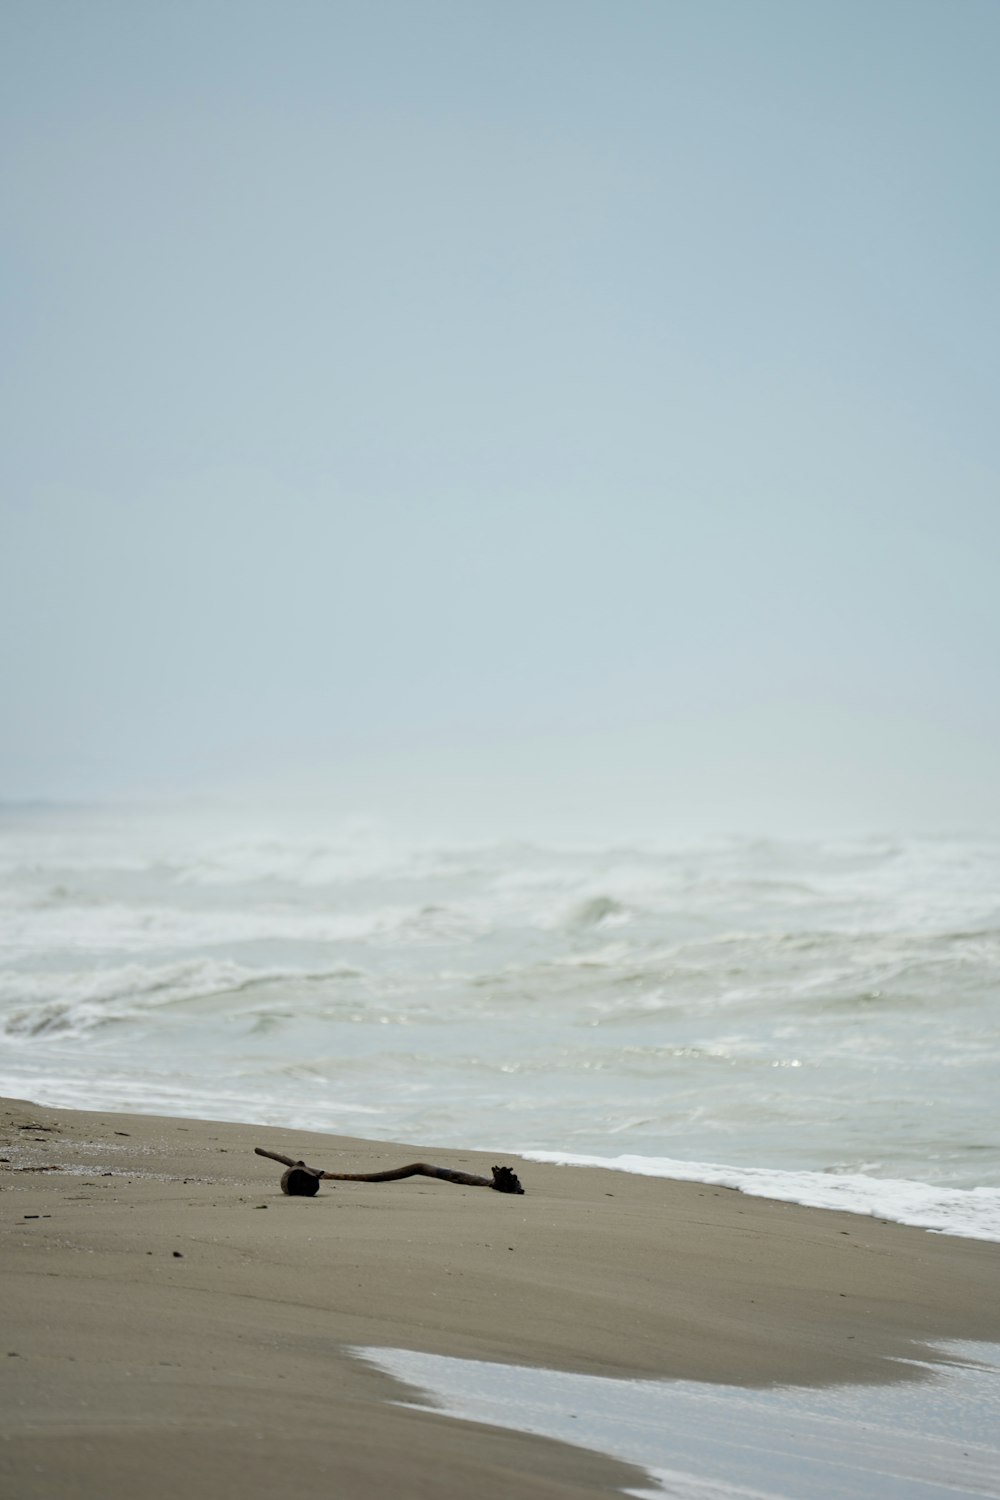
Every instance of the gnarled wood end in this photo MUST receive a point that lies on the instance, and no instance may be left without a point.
(300, 1181)
(506, 1181)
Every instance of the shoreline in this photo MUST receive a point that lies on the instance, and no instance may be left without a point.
(152, 1296)
(964, 1211)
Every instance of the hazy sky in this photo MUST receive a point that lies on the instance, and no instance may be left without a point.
(589, 407)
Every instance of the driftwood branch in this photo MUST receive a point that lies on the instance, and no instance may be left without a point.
(302, 1181)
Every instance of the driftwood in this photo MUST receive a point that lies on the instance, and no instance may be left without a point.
(301, 1181)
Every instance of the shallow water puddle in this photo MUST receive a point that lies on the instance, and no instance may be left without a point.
(924, 1440)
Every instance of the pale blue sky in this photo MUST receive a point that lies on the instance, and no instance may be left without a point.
(588, 406)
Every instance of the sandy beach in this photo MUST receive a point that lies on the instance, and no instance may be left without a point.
(172, 1322)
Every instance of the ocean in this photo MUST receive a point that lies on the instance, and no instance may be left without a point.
(816, 1020)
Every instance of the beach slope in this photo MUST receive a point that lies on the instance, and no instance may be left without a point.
(172, 1322)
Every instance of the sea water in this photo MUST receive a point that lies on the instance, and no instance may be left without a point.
(932, 1436)
(817, 1020)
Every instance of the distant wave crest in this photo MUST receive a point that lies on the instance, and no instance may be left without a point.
(34, 1005)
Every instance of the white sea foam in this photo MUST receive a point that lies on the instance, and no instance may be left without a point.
(50, 926)
(971, 1212)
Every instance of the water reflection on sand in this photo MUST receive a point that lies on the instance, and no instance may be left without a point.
(916, 1440)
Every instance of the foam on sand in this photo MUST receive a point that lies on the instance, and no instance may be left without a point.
(972, 1212)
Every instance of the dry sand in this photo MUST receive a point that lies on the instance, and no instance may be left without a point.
(173, 1325)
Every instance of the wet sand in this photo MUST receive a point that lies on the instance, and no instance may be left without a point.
(172, 1322)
